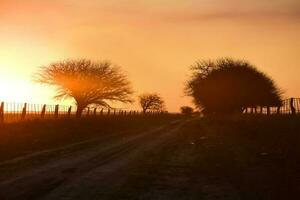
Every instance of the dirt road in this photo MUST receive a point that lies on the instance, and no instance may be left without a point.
(88, 170)
(185, 159)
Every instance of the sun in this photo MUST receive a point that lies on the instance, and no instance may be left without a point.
(15, 90)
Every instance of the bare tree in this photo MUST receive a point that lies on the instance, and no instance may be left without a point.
(87, 82)
(151, 102)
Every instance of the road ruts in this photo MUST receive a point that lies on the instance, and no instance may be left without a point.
(82, 174)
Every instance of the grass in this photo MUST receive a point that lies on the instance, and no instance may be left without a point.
(21, 138)
(248, 157)
(237, 158)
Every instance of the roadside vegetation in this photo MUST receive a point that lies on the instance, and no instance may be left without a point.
(87, 82)
(227, 158)
(23, 138)
(151, 102)
(228, 86)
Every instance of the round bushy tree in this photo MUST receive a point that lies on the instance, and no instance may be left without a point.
(186, 110)
(227, 86)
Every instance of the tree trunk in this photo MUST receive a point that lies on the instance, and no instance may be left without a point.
(144, 111)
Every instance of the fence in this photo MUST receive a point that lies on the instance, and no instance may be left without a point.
(11, 112)
(289, 106)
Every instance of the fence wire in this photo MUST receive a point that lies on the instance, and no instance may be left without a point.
(289, 106)
(11, 111)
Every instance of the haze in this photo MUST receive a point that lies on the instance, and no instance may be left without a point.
(155, 41)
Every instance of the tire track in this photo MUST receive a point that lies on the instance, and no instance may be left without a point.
(56, 176)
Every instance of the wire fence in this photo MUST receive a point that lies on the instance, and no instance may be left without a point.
(289, 106)
(12, 112)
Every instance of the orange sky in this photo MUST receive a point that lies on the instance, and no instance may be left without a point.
(155, 41)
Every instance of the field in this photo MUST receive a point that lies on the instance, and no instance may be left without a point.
(152, 157)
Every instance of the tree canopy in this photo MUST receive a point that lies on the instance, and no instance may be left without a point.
(87, 82)
(186, 110)
(151, 102)
(227, 86)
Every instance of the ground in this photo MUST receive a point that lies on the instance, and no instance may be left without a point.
(153, 158)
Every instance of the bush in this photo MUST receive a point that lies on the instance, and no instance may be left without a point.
(186, 110)
(227, 86)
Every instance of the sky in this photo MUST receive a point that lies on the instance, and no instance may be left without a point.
(155, 41)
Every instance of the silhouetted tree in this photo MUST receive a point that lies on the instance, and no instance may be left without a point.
(186, 110)
(228, 86)
(88, 82)
(151, 102)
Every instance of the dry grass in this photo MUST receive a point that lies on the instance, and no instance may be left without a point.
(21, 138)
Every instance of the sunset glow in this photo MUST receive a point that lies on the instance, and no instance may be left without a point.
(155, 42)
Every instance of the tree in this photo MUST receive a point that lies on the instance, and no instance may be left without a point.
(87, 82)
(186, 110)
(151, 102)
(226, 86)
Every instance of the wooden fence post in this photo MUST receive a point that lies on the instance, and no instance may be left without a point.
(95, 111)
(108, 112)
(292, 106)
(278, 109)
(2, 112)
(268, 110)
(101, 112)
(56, 111)
(69, 111)
(43, 111)
(88, 111)
(24, 111)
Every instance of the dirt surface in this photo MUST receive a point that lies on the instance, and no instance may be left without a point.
(87, 170)
(228, 159)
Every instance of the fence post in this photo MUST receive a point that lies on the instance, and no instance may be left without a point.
(108, 112)
(101, 112)
(292, 106)
(24, 111)
(278, 109)
(56, 111)
(88, 111)
(95, 111)
(69, 111)
(2, 112)
(114, 111)
(268, 110)
(43, 111)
